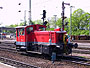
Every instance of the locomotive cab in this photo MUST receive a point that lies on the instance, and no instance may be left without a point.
(20, 37)
(25, 35)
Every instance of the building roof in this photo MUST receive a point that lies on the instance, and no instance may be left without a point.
(7, 28)
(20, 27)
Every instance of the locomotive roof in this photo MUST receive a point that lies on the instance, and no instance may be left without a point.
(53, 31)
(28, 25)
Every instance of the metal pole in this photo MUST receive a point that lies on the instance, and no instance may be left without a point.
(70, 33)
(55, 20)
(25, 17)
(29, 12)
(1, 34)
(70, 21)
(43, 20)
(63, 15)
(1, 27)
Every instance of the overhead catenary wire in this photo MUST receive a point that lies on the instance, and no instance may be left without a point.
(42, 2)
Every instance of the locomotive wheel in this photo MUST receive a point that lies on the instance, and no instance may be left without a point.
(68, 50)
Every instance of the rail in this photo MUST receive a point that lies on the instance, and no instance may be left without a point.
(17, 64)
(77, 60)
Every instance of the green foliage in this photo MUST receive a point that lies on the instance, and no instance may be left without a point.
(21, 24)
(76, 18)
(38, 22)
(80, 22)
(80, 32)
(59, 22)
(50, 29)
(13, 25)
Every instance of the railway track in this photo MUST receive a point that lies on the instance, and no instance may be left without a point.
(8, 49)
(15, 63)
(12, 62)
(7, 46)
(76, 60)
(83, 46)
(81, 41)
(81, 51)
(72, 59)
(82, 61)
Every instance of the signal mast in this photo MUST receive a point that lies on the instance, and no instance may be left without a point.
(63, 17)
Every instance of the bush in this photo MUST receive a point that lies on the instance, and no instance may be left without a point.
(80, 32)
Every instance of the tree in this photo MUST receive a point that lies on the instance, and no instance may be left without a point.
(38, 22)
(52, 22)
(84, 21)
(59, 22)
(21, 24)
(80, 20)
(76, 18)
(13, 25)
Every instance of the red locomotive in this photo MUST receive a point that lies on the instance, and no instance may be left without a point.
(35, 38)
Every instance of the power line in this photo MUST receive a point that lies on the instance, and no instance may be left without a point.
(42, 2)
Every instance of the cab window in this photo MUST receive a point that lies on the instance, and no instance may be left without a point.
(42, 28)
(18, 32)
(22, 31)
(29, 29)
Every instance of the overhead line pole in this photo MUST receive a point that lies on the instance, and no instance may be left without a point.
(25, 17)
(55, 20)
(30, 12)
(71, 20)
(1, 27)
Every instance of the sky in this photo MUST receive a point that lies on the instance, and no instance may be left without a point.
(10, 15)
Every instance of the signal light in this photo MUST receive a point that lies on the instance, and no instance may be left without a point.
(19, 4)
(19, 11)
(45, 23)
(1, 7)
(44, 13)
